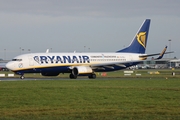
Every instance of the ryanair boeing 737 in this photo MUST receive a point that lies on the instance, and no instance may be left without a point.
(77, 64)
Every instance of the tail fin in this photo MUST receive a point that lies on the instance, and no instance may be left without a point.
(138, 45)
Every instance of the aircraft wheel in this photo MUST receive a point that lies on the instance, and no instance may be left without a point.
(92, 76)
(22, 77)
(71, 76)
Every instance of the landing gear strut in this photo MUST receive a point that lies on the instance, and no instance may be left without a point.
(21, 75)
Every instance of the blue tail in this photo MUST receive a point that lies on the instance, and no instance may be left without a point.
(138, 45)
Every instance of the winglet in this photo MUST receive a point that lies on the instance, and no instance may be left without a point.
(162, 53)
(143, 57)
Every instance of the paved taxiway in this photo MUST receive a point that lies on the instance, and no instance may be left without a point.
(18, 79)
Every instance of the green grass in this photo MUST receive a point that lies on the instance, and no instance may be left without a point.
(117, 98)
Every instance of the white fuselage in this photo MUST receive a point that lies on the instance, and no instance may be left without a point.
(50, 60)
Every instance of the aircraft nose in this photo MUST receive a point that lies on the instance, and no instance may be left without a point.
(10, 65)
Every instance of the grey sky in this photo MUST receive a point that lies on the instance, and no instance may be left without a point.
(100, 25)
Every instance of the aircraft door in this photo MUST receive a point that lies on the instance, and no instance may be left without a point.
(31, 62)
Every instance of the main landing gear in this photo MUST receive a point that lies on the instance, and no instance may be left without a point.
(91, 76)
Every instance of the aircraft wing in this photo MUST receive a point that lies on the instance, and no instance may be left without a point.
(160, 54)
(110, 65)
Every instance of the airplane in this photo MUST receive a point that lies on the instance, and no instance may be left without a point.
(84, 64)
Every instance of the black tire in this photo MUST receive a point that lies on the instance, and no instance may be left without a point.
(71, 76)
(22, 77)
(92, 76)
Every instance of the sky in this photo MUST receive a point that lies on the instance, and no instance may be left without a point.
(28, 26)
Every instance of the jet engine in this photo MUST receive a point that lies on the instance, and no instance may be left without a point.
(82, 70)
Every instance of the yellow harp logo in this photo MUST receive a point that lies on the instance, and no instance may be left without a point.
(141, 38)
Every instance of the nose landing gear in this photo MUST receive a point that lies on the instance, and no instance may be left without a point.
(22, 77)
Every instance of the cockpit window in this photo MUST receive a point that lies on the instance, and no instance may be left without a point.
(16, 59)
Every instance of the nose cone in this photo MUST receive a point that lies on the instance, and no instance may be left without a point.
(10, 65)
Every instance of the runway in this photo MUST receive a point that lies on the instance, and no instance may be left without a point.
(27, 79)
(54, 78)
(18, 79)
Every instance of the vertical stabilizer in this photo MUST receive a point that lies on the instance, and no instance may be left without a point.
(138, 44)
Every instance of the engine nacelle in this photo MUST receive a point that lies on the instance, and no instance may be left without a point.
(81, 70)
(49, 74)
